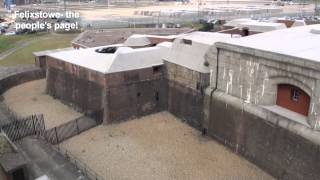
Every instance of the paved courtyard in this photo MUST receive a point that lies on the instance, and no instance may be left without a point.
(158, 146)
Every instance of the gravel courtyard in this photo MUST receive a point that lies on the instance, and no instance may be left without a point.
(30, 98)
(158, 146)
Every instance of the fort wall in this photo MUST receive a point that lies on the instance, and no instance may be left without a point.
(253, 76)
(279, 146)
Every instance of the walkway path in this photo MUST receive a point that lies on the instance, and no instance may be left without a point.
(44, 160)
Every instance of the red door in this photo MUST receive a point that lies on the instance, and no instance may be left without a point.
(293, 98)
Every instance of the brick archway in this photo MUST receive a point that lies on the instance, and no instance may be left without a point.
(293, 98)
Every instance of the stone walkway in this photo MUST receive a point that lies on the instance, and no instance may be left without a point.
(42, 159)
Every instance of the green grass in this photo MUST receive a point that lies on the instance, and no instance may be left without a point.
(8, 42)
(38, 43)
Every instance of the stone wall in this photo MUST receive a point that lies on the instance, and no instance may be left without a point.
(186, 93)
(136, 99)
(286, 150)
(185, 103)
(77, 71)
(113, 96)
(253, 77)
(135, 93)
(12, 76)
(81, 93)
(186, 77)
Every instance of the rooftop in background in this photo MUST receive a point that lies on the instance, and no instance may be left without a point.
(300, 42)
(257, 26)
(104, 37)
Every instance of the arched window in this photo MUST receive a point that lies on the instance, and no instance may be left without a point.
(293, 98)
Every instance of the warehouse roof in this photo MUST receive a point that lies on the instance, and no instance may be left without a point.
(124, 59)
(189, 50)
(300, 42)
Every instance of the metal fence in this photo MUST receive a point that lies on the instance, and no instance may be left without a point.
(153, 21)
(72, 128)
(18, 129)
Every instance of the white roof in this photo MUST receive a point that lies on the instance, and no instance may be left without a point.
(297, 23)
(192, 56)
(297, 42)
(236, 22)
(44, 53)
(124, 59)
(137, 40)
(257, 26)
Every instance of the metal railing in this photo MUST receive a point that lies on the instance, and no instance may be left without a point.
(67, 130)
(20, 128)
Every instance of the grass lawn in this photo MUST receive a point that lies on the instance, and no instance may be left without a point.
(8, 42)
(38, 43)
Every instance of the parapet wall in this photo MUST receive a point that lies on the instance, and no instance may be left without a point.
(254, 76)
(12, 76)
(286, 150)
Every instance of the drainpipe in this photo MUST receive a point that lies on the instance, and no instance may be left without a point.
(204, 130)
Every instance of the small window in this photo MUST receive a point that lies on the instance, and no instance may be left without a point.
(138, 94)
(156, 95)
(295, 94)
(156, 69)
(187, 41)
(198, 86)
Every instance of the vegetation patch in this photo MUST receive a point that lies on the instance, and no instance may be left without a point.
(24, 54)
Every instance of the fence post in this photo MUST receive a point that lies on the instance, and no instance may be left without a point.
(77, 125)
(55, 130)
(34, 127)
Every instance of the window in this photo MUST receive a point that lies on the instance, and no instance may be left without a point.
(295, 94)
(156, 96)
(293, 98)
(156, 69)
(198, 86)
(187, 41)
(138, 94)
